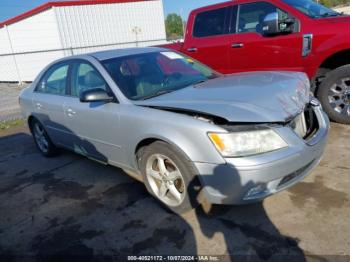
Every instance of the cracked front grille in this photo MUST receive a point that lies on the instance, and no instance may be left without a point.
(305, 125)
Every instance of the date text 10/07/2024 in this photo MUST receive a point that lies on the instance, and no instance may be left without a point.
(173, 258)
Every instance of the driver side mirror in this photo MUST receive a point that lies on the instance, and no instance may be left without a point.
(95, 95)
(273, 26)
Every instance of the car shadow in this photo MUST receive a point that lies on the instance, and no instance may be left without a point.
(85, 210)
(246, 230)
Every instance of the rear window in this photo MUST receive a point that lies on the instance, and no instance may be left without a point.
(210, 23)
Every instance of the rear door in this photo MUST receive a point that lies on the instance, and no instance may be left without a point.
(209, 42)
(252, 51)
(48, 100)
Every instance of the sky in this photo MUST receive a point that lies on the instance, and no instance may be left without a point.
(10, 8)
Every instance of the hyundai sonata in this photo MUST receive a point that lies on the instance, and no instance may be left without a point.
(178, 126)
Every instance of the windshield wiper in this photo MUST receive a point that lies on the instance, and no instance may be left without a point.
(159, 93)
(199, 82)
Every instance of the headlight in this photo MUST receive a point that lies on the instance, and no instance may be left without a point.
(247, 143)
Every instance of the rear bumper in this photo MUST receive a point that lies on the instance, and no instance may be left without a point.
(251, 179)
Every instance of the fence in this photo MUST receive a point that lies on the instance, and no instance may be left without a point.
(24, 66)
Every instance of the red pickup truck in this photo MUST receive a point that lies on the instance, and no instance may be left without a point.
(290, 35)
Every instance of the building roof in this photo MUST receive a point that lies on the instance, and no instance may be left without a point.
(49, 5)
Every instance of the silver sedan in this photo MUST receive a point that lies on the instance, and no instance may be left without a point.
(184, 130)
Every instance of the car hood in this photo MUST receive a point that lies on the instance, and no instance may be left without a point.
(246, 97)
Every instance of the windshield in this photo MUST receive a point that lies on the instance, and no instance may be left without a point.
(311, 8)
(147, 75)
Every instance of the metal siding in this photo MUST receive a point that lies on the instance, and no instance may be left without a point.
(4, 41)
(49, 5)
(7, 63)
(8, 69)
(107, 24)
(76, 26)
(35, 33)
(30, 65)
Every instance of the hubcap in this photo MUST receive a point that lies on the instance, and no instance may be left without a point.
(40, 138)
(339, 96)
(165, 179)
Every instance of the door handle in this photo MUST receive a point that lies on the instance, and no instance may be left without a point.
(39, 106)
(192, 49)
(70, 112)
(237, 45)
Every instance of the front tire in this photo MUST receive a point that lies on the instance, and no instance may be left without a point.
(42, 139)
(169, 176)
(334, 94)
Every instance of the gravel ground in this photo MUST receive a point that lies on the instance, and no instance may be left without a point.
(69, 205)
(9, 107)
(345, 9)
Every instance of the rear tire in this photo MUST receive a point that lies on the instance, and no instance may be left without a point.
(169, 176)
(334, 94)
(42, 139)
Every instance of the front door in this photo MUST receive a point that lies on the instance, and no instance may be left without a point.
(93, 126)
(252, 51)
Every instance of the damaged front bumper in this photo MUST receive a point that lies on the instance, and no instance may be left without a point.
(250, 179)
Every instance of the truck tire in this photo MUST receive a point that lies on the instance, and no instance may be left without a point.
(334, 94)
(169, 176)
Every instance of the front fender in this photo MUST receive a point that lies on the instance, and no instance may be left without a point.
(184, 132)
(326, 49)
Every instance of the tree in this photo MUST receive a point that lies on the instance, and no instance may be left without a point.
(174, 26)
(328, 3)
(333, 3)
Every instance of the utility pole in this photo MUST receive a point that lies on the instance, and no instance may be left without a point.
(136, 30)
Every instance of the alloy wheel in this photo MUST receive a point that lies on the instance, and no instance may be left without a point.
(339, 97)
(165, 179)
(40, 138)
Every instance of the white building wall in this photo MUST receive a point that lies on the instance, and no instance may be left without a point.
(4, 41)
(7, 64)
(110, 24)
(106, 26)
(36, 33)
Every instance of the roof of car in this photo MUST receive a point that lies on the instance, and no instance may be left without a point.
(109, 54)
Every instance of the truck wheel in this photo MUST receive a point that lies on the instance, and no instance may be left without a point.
(334, 94)
(169, 176)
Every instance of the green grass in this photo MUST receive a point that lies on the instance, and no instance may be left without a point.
(10, 123)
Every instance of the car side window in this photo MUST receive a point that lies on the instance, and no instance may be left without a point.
(54, 80)
(251, 16)
(86, 77)
(210, 23)
(233, 20)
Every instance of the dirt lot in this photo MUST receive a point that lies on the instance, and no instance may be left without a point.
(9, 101)
(72, 205)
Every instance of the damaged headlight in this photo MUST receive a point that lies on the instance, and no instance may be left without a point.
(247, 143)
